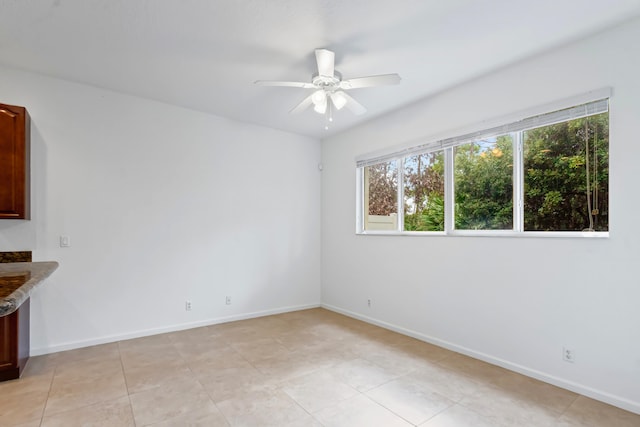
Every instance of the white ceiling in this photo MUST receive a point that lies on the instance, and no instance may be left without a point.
(205, 54)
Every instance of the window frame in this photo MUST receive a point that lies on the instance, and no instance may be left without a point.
(448, 144)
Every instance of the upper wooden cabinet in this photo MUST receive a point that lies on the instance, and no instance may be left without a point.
(14, 162)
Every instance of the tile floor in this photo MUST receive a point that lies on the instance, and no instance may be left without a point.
(304, 369)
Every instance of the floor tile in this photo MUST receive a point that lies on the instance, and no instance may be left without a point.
(87, 369)
(459, 416)
(509, 409)
(65, 396)
(359, 411)
(145, 377)
(450, 383)
(103, 351)
(262, 408)
(362, 374)
(209, 416)
(585, 412)
(317, 390)
(170, 401)
(312, 368)
(22, 407)
(409, 399)
(111, 413)
(227, 383)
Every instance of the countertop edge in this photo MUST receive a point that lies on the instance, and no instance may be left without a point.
(39, 272)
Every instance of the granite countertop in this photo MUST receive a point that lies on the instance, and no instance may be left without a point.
(18, 280)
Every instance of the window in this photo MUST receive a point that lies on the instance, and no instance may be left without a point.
(483, 184)
(544, 173)
(423, 185)
(566, 175)
(381, 196)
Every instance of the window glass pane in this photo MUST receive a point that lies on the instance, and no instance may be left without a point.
(566, 176)
(424, 192)
(483, 181)
(381, 196)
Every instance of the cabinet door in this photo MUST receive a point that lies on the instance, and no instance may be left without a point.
(8, 342)
(14, 162)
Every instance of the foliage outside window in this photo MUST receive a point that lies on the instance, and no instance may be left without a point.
(483, 186)
(424, 192)
(381, 195)
(566, 176)
(545, 178)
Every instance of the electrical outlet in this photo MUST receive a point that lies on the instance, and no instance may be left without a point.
(568, 355)
(227, 300)
(369, 303)
(187, 305)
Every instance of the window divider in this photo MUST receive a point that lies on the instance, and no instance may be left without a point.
(518, 182)
(449, 213)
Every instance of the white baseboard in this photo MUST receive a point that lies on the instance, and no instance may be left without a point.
(173, 328)
(605, 397)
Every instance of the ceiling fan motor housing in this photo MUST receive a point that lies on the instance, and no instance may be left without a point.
(329, 83)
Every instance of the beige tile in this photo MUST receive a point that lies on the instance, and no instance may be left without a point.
(448, 382)
(87, 369)
(422, 350)
(34, 423)
(509, 409)
(237, 332)
(150, 355)
(196, 335)
(362, 374)
(146, 377)
(215, 360)
(396, 360)
(317, 390)
(476, 369)
(227, 383)
(254, 369)
(409, 399)
(359, 411)
(111, 413)
(285, 368)
(203, 352)
(27, 384)
(262, 408)
(102, 352)
(22, 407)
(260, 349)
(66, 396)
(459, 416)
(209, 416)
(585, 412)
(44, 365)
(169, 402)
(537, 393)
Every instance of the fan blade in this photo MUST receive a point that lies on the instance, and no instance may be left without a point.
(287, 84)
(326, 62)
(303, 105)
(353, 105)
(381, 80)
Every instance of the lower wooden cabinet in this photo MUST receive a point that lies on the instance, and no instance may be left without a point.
(14, 342)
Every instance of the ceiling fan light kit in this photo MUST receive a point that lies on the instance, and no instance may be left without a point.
(330, 88)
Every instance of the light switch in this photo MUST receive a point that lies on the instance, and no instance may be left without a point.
(65, 241)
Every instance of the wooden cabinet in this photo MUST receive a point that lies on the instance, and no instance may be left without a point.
(14, 342)
(14, 162)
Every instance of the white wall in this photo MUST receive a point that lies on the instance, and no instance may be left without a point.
(511, 301)
(162, 205)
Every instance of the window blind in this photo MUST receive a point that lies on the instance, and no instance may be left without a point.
(546, 119)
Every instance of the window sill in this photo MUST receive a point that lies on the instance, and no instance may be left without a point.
(492, 233)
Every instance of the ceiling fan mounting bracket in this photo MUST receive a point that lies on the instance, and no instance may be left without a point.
(327, 82)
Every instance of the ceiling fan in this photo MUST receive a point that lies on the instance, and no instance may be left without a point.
(330, 88)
